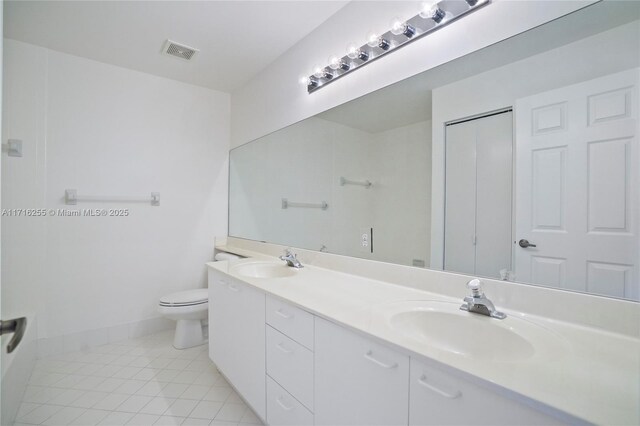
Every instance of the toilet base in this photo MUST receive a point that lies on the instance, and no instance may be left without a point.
(188, 334)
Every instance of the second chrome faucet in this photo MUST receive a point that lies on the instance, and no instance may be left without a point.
(291, 259)
(478, 303)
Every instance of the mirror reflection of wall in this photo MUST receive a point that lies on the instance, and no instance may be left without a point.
(305, 162)
(518, 162)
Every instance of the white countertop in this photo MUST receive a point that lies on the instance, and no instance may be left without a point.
(588, 373)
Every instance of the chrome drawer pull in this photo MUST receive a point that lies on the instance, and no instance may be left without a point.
(369, 356)
(283, 349)
(454, 395)
(280, 403)
(283, 315)
(233, 288)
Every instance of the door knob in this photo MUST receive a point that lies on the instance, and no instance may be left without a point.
(17, 326)
(525, 243)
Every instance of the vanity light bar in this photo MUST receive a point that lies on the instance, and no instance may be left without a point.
(434, 15)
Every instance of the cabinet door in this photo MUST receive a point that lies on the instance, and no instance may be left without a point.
(358, 381)
(439, 398)
(237, 336)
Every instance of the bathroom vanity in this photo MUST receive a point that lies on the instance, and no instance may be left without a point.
(320, 346)
(518, 164)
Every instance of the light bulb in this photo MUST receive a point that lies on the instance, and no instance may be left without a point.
(336, 63)
(352, 51)
(431, 10)
(398, 26)
(320, 72)
(372, 39)
(309, 81)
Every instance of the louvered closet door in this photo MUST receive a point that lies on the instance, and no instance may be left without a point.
(577, 186)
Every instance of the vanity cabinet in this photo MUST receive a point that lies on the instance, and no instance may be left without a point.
(295, 368)
(237, 336)
(291, 365)
(358, 381)
(290, 361)
(441, 398)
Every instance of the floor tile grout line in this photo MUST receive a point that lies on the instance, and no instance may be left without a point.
(141, 352)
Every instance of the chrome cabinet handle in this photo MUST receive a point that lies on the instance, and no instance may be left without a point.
(283, 315)
(454, 395)
(525, 243)
(283, 349)
(370, 357)
(17, 326)
(230, 286)
(280, 403)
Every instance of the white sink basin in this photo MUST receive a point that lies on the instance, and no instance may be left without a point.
(442, 325)
(264, 270)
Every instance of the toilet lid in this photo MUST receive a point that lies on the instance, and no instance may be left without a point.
(185, 298)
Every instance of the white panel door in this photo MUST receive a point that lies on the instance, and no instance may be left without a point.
(577, 186)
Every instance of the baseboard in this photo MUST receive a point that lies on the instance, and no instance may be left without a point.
(90, 338)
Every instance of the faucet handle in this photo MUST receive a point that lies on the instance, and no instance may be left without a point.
(475, 285)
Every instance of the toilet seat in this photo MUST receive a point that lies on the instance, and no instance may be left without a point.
(185, 298)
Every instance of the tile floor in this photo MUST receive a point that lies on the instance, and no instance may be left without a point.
(142, 381)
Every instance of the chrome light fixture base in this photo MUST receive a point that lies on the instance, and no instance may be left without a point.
(446, 12)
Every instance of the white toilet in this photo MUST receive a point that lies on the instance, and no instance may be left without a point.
(188, 308)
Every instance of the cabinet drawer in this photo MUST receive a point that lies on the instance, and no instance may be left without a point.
(441, 398)
(292, 321)
(283, 409)
(291, 365)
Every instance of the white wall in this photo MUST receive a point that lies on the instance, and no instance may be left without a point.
(402, 204)
(500, 87)
(275, 98)
(304, 163)
(106, 130)
(15, 367)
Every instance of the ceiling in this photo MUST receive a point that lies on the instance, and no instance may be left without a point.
(237, 39)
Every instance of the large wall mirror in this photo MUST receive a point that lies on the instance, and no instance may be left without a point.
(519, 162)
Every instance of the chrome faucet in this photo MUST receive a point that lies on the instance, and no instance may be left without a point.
(291, 259)
(478, 302)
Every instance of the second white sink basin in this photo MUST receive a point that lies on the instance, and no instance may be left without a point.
(264, 270)
(442, 325)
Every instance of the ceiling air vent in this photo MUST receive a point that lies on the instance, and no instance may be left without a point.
(179, 50)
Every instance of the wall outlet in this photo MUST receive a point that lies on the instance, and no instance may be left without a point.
(366, 242)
